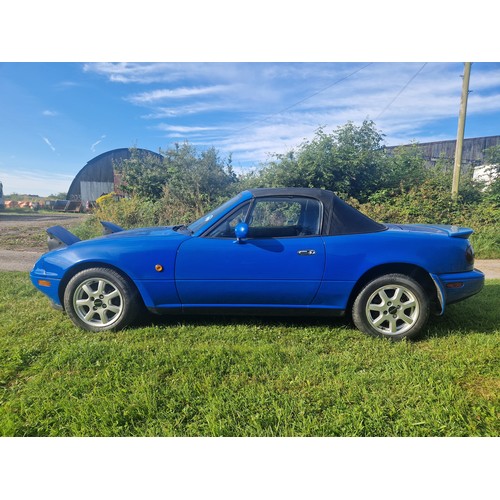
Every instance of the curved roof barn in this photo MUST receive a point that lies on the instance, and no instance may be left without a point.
(99, 177)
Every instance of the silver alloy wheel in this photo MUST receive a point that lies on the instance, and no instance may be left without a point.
(392, 309)
(98, 302)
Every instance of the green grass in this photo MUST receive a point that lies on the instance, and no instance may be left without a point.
(245, 377)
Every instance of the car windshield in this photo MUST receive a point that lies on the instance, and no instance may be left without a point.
(213, 215)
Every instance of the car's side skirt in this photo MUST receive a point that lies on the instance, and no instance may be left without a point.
(249, 310)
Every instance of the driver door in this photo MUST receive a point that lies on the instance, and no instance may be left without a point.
(280, 263)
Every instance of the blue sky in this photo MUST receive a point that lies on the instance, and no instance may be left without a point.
(57, 116)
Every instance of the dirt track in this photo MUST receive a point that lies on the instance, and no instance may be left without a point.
(23, 238)
(12, 260)
(26, 232)
(18, 251)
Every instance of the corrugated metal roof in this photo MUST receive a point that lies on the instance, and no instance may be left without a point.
(100, 170)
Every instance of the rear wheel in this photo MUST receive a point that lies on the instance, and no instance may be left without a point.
(101, 299)
(393, 306)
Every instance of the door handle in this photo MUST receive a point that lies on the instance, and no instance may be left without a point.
(306, 252)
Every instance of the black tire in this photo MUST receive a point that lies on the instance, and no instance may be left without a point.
(393, 306)
(100, 299)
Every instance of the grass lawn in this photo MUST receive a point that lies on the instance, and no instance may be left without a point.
(245, 377)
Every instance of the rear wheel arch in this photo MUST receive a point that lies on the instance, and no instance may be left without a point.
(419, 274)
(393, 306)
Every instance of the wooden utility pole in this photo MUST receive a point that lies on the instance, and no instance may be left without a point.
(460, 132)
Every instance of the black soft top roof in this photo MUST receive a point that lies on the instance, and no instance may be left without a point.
(338, 217)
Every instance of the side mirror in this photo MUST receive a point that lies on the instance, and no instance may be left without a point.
(241, 231)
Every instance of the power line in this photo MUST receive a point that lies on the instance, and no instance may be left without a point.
(305, 99)
(400, 92)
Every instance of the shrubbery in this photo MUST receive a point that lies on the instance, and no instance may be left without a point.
(126, 212)
(427, 204)
(398, 187)
(176, 188)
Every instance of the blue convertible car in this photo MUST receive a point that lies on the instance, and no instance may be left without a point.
(289, 251)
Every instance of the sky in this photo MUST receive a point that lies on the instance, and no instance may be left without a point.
(57, 116)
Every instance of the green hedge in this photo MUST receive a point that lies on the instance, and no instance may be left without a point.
(425, 204)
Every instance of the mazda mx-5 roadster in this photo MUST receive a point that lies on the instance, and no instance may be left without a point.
(283, 251)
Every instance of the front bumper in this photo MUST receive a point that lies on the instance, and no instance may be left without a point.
(48, 285)
(455, 287)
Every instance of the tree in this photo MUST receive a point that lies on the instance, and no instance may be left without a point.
(492, 156)
(405, 168)
(59, 196)
(197, 182)
(350, 161)
(362, 157)
(194, 179)
(143, 174)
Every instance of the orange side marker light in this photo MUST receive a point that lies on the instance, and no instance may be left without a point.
(458, 284)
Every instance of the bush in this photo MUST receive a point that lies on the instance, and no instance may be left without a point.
(350, 161)
(430, 203)
(486, 242)
(182, 184)
(426, 204)
(126, 212)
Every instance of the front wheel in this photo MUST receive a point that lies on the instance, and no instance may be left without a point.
(101, 299)
(393, 306)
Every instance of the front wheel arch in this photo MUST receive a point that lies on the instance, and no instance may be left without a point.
(99, 299)
(73, 271)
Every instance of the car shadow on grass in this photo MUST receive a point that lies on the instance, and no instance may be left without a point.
(478, 314)
(240, 319)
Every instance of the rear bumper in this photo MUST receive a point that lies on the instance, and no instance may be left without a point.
(455, 287)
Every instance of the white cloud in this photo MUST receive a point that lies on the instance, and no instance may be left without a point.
(49, 112)
(147, 73)
(49, 144)
(133, 72)
(184, 110)
(253, 109)
(145, 98)
(92, 148)
(183, 129)
(67, 84)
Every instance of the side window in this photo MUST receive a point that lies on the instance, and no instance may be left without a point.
(284, 217)
(225, 229)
